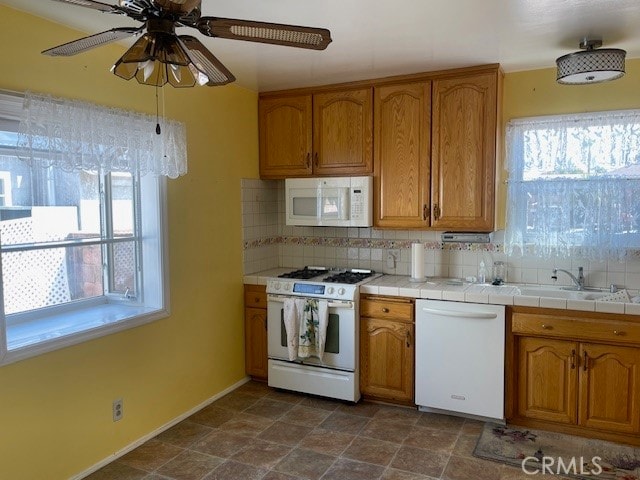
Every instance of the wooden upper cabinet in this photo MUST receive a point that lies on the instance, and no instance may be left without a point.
(463, 153)
(402, 140)
(285, 136)
(343, 132)
(322, 134)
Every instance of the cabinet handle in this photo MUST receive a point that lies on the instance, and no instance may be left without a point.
(573, 359)
(308, 160)
(257, 299)
(436, 211)
(547, 327)
(315, 159)
(425, 211)
(385, 310)
(619, 333)
(586, 361)
(408, 339)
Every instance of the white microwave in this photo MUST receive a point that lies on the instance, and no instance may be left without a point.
(329, 202)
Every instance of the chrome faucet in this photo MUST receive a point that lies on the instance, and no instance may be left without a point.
(577, 282)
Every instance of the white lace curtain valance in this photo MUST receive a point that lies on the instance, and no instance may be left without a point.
(74, 135)
(574, 185)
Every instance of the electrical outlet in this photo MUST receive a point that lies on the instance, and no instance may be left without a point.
(393, 256)
(118, 410)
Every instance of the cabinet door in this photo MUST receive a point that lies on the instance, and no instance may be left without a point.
(343, 132)
(386, 359)
(610, 387)
(463, 154)
(402, 132)
(547, 379)
(285, 136)
(255, 338)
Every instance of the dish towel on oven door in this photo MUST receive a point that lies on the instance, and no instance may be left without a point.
(291, 325)
(313, 328)
(305, 321)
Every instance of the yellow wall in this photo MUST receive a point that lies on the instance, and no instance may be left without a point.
(536, 92)
(55, 409)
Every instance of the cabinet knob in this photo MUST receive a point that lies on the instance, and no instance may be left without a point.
(619, 333)
(385, 310)
(257, 299)
(547, 327)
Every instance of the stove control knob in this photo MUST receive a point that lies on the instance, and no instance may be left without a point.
(341, 291)
(330, 290)
(276, 285)
(287, 287)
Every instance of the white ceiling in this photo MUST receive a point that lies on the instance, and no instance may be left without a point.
(376, 38)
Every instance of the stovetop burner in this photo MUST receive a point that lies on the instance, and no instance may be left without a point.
(305, 273)
(349, 276)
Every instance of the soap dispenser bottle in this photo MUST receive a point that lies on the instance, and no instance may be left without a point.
(482, 272)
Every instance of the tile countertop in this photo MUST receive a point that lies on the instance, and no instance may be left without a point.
(439, 289)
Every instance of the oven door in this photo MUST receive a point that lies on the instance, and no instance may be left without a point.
(341, 344)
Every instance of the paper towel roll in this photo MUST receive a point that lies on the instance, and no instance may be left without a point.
(417, 262)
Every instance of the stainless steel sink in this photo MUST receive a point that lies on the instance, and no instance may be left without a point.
(562, 292)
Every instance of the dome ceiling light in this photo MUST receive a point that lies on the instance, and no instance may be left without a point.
(591, 65)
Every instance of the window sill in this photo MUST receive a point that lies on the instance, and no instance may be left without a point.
(33, 337)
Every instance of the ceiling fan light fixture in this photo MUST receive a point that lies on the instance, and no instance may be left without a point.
(590, 65)
(160, 56)
(156, 59)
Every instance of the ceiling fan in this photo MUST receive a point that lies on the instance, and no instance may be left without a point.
(161, 56)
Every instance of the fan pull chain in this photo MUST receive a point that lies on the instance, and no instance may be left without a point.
(158, 129)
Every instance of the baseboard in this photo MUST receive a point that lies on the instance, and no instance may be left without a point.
(149, 436)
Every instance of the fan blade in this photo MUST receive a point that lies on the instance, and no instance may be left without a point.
(92, 41)
(264, 32)
(103, 7)
(204, 61)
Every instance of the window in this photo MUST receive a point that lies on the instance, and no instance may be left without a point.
(82, 249)
(574, 185)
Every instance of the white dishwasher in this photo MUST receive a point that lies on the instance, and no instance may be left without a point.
(460, 358)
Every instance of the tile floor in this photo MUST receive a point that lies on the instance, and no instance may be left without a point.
(257, 432)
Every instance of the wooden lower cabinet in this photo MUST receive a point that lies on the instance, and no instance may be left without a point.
(563, 377)
(547, 379)
(610, 388)
(255, 331)
(387, 349)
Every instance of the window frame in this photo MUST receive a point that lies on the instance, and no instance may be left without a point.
(111, 312)
(525, 235)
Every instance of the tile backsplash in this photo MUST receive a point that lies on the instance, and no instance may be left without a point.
(269, 243)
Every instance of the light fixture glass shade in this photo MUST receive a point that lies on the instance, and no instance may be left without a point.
(591, 66)
(156, 59)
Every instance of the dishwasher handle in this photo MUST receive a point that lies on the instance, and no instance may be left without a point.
(457, 314)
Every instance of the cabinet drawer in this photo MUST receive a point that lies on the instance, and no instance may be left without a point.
(568, 327)
(386, 309)
(255, 296)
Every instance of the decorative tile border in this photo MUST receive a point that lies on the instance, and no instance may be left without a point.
(370, 243)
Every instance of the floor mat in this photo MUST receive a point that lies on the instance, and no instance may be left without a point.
(539, 452)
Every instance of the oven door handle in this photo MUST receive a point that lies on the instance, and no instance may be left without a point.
(332, 304)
